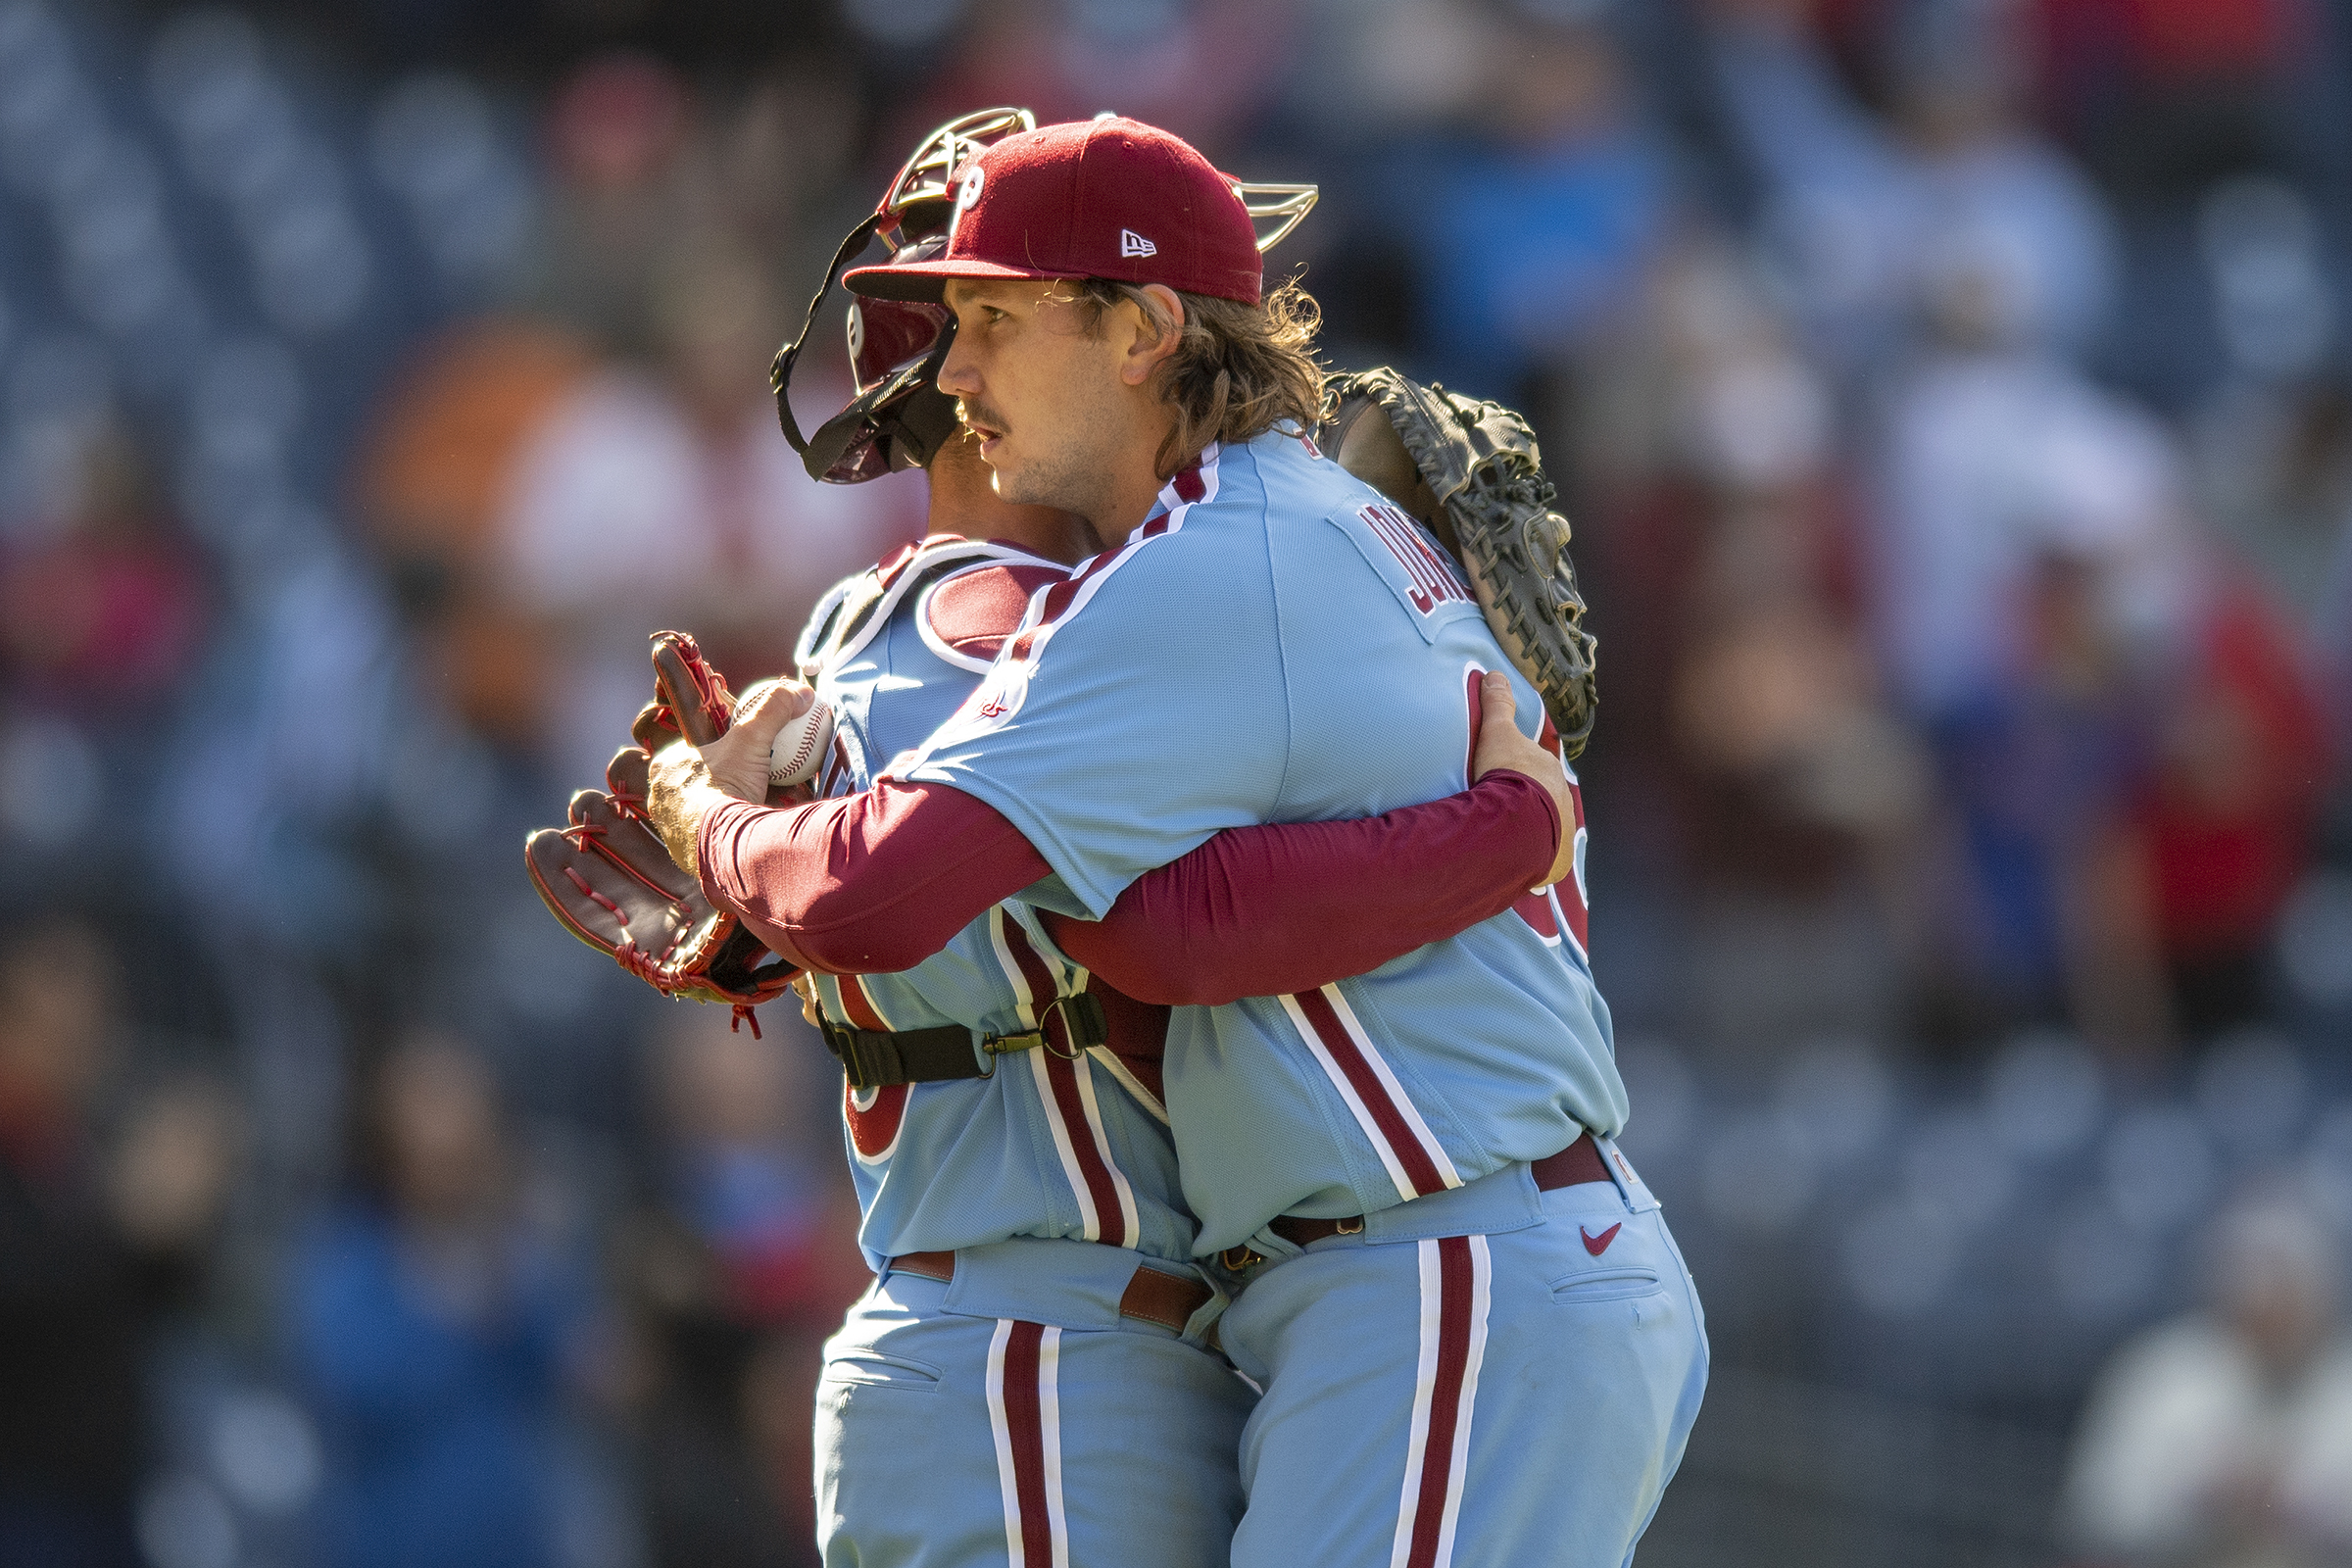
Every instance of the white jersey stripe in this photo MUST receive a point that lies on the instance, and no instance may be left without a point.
(1388, 1079)
(1108, 1061)
(1425, 1386)
(1071, 1171)
(1356, 1105)
(1024, 998)
(1173, 522)
(1048, 1404)
(1130, 1218)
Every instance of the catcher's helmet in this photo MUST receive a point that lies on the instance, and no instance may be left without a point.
(897, 419)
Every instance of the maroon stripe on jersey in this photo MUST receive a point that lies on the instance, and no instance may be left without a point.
(1454, 1287)
(1419, 1168)
(1061, 1075)
(1139, 1032)
(1059, 596)
(1037, 975)
(874, 1126)
(1025, 1426)
(858, 1006)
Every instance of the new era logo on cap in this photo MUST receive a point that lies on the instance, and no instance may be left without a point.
(1132, 244)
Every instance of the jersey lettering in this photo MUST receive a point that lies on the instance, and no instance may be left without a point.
(1434, 582)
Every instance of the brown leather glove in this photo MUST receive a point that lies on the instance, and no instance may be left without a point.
(606, 876)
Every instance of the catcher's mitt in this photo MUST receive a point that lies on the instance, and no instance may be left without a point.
(1471, 473)
(609, 878)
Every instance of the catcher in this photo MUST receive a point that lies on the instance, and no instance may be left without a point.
(1035, 1276)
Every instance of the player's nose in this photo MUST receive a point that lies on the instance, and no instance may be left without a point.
(958, 377)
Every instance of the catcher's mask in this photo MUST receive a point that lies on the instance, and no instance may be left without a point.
(898, 419)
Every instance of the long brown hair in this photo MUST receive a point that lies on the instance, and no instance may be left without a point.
(1237, 370)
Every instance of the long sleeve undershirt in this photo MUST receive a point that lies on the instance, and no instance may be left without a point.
(877, 882)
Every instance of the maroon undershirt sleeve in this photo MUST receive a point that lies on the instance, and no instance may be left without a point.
(1258, 911)
(863, 884)
(874, 883)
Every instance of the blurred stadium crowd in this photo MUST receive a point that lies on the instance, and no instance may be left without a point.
(1953, 399)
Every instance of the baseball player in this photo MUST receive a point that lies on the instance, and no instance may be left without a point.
(1476, 1338)
(1026, 1378)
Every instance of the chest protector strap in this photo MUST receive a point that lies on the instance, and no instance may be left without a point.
(874, 1058)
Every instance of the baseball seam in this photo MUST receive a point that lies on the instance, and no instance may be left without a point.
(801, 754)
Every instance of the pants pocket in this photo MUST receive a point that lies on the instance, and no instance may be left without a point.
(873, 1369)
(1607, 1285)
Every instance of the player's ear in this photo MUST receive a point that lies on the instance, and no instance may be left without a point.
(1154, 339)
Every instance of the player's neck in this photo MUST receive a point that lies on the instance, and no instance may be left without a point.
(965, 502)
(1133, 479)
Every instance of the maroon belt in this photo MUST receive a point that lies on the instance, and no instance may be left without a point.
(1578, 1163)
(1152, 1296)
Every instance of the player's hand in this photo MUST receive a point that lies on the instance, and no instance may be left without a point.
(738, 759)
(1501, 745)
(685, 781)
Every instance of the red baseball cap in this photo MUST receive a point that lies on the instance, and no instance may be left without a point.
(1092, 198)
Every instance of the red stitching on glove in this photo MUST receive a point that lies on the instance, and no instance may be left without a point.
(581, 882)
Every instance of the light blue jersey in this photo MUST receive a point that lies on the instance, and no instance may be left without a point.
(1046, 1145)
(1277, 644)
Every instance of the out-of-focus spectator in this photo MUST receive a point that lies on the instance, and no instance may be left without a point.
(2032, 574)
(103, 603)
(1857, 207)
(434, 1323)
(2169, 95)
(1530, 231)
(432, 484)
(95, 1242)
(647, 501)
(2275, 466)
(2224, 1438)
(1199, 69)
(1748, 697)
(734, 1288)
(618, 131)
(2243, 767)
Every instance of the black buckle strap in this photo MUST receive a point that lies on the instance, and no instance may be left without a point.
(1083, 1025)
(875, 1058)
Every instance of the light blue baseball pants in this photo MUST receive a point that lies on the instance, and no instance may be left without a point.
(1013, 1417)
(1519, 1396)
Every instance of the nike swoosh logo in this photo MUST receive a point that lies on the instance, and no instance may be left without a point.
(1597, 1244)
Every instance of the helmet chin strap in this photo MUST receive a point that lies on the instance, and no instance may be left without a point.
(779, 369)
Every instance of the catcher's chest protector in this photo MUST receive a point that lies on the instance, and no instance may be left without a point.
(1048, 1147)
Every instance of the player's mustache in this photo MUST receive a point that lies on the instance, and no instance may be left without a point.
(979, 416)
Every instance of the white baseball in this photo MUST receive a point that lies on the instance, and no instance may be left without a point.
(800, 749)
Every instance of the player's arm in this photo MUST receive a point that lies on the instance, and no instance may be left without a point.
(879, 881)
(860, 884)
(1260, 912)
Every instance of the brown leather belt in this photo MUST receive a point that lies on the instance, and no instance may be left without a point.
(1578, 1163)
(1152, 1296)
